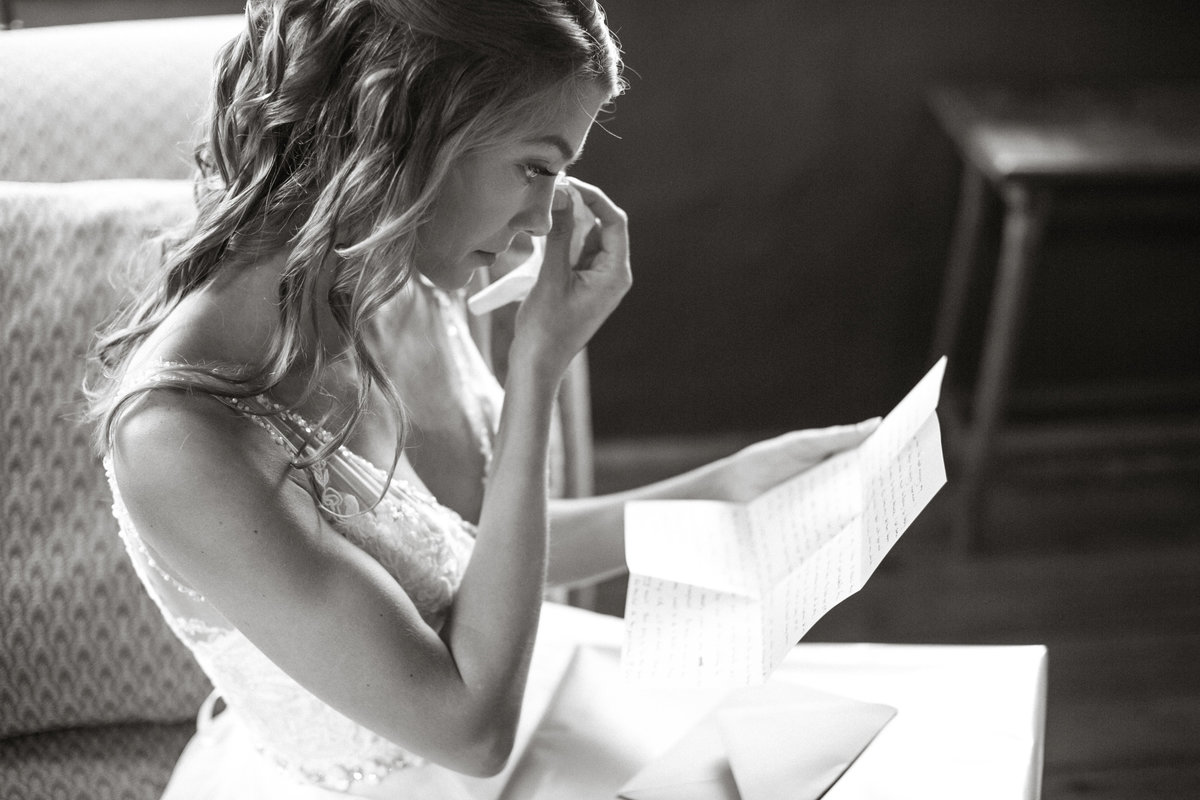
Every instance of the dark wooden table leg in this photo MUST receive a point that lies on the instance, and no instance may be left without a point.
(963, 246)
(1026, 210)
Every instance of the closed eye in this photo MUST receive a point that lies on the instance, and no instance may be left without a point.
(534, 171)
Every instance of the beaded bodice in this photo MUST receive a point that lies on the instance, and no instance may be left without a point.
(424, 545)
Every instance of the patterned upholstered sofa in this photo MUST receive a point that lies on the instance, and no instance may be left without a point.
(97, 698)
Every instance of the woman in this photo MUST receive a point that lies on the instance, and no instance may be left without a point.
(332, 501)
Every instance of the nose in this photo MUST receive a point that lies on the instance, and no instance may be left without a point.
(534, 217)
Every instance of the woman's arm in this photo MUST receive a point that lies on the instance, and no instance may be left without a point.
(588, 534)
(495, 613)
(210, 494)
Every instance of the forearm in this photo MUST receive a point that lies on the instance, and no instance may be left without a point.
(494, 618)
(587, 540)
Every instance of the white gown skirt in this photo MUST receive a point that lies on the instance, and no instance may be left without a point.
(577, 739)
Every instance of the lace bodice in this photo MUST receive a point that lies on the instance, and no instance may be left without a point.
(424, 545)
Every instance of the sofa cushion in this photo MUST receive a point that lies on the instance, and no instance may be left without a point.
(114, 762)
(80, 641)
(108, 99)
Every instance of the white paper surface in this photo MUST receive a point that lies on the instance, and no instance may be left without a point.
(763, 743)
(797, 748)
(970, 721)
(719, 592)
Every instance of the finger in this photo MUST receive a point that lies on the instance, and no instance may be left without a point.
(591, 245)
(606, 211)
(846, 436)
(562, 224)
(612, 224)
(833, 439)
(868, 426)
(839, 431)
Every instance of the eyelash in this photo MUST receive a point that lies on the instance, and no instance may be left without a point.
(534, 171)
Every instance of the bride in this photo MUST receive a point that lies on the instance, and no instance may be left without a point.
(333, 502)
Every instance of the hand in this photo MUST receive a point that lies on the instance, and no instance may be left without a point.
(569, 302)
(751, 471)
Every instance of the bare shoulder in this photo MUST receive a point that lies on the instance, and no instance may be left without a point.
(174, 430)
(178, 455)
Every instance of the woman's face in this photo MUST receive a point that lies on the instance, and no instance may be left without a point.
(492, 195)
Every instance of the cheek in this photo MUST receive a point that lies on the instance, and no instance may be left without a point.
(478, 202)
(446, 220)
(490, 192)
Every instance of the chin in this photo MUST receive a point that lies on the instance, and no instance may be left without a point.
(451, 278)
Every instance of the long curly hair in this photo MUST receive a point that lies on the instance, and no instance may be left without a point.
(332, 127)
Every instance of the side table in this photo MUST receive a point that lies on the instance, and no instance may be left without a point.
(1031, 148)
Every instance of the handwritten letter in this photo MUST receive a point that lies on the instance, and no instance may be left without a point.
(719, 592)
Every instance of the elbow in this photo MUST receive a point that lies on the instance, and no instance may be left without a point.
(496, 734)
(490, 759)
(484, 750)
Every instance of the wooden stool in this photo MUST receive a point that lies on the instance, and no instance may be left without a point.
(1031, 148)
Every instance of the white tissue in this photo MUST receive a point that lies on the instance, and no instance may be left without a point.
(514, 286)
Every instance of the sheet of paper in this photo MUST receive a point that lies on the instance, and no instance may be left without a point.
(701, 542)
(764, 742)
(797, 750)
(798, 517)
(719, 592)
(898, 488)
(685, 635)
(823, 580)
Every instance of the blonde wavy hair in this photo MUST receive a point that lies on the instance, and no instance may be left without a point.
(333, 125)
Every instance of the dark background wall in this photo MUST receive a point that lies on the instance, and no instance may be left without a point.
(791, 198)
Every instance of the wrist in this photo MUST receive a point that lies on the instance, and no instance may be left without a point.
(534, 369)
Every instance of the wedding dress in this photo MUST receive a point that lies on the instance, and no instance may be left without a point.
(276, 740)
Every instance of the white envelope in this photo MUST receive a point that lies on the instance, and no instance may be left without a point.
(597, 731)
(764, 743)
